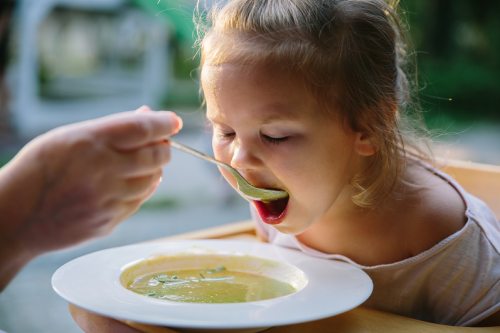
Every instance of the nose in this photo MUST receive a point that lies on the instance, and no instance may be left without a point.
(245, 156)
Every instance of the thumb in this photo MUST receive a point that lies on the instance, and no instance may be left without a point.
(131, 130)
(143, 108)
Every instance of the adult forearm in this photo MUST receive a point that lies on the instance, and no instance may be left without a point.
(13, 258)
(16, 206)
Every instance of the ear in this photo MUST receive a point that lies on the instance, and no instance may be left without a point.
(363, 145)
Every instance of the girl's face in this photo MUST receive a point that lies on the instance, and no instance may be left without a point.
(270, 128)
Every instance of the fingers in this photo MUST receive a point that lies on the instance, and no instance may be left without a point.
(140, 188)
(143, 161)
(129, 198)
(131, 130)
(90, 322)
(150, 328)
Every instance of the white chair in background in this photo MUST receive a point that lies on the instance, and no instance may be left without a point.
(33, 114)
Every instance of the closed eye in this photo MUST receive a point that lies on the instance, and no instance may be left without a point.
(275, 140)
(223, 134)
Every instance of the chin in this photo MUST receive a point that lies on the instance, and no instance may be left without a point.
(290, 228)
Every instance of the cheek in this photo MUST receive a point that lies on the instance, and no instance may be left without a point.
(311, 180)
(221, 151)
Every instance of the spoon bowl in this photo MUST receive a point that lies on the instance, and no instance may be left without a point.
(245, 189)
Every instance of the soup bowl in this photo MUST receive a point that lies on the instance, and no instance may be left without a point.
(100, 282)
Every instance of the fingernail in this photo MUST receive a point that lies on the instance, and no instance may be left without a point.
(180, 123)
(143, 108)
(176, 120)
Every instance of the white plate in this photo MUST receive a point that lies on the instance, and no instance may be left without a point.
(92, 282)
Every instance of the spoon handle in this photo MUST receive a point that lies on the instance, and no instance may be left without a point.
(196, 153)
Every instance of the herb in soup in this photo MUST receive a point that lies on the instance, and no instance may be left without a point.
(217, 285)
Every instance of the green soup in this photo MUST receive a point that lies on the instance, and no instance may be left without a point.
(218, 285)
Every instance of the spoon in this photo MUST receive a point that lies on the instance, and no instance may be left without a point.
(245, 189)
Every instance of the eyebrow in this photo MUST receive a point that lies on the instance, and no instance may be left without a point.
(273, 112)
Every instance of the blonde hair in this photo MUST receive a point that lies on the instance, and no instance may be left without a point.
(350, 54)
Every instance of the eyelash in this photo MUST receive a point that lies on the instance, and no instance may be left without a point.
(226, 135)
(275, 141)
(267, 138)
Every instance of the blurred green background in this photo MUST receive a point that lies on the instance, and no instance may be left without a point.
(458, 57)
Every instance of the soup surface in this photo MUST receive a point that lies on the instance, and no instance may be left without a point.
(217, 285)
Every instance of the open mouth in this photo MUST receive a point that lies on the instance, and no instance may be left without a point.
(272, 212)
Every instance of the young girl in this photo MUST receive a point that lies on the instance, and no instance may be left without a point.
(310, 96)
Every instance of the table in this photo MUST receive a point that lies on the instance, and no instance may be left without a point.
(358, 320)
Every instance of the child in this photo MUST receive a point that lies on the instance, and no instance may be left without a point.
(310, 96)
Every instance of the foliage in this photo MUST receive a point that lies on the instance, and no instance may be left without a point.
(175, 12)
(457, 51)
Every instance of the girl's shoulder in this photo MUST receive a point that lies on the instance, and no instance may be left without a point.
(436, 207)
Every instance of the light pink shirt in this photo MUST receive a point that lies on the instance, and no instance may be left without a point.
(456, 282)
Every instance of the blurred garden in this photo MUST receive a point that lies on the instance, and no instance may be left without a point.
(458, 56)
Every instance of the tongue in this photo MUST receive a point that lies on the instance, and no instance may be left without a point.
(271, 211)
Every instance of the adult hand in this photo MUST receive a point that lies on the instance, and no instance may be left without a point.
(93, 323)
(79, 181)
